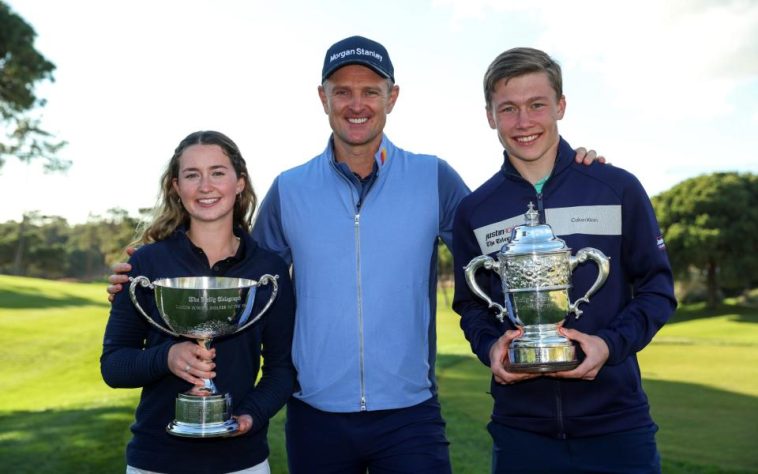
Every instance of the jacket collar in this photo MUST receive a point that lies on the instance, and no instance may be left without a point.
(382, 156)
(247, 244)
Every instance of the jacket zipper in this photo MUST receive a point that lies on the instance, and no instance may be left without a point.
(558, 398)
(540, 202)
(541, 209)
(559, 410)
(360, 306)
(359, 286)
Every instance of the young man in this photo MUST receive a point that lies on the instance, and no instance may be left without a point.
(359, 223)
(594, 418)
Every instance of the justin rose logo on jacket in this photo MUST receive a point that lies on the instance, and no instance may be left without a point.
(498, 237)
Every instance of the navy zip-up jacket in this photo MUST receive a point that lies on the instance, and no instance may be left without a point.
(598, 206)
(136, 355)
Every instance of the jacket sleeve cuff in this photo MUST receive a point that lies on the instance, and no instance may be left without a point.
(258, 421)
(611, 340)
(159, 359)
(483, 352)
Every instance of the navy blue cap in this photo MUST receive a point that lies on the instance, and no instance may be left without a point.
(358, 50)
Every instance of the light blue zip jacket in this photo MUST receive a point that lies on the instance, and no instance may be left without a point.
(365, 276)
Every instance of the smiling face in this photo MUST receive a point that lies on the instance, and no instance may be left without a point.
(357, 101)
(525, 111)
(207, 184)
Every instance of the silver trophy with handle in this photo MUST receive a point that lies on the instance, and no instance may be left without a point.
(535, 268)
(204, 308)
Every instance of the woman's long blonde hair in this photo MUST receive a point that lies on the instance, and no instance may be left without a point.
(169, 213)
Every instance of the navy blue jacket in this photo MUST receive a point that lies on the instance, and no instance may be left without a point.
(598, 206)
(136, 355)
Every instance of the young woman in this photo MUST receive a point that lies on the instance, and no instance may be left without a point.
(201, 227)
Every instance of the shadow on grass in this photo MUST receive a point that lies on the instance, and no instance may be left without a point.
(84, 441)
(702, 430)
(684, 313)
(704, 426)
(28, 298)
(61, 441)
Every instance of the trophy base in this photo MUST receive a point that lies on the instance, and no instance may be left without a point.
(203, 417)
(542, 359)
(543, 368)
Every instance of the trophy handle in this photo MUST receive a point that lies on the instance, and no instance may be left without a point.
(488, 263)
(145, 282)
(603, 267)
(263, 280)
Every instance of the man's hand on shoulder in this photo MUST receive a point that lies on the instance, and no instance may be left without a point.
(119, 276)
(588, 157)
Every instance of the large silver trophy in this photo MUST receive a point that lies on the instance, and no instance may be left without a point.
(204, 308)
(535, 268)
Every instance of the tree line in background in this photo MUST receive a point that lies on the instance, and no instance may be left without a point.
(710, 225)
(48, 247)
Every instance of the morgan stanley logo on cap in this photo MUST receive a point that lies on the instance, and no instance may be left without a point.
(358, 50)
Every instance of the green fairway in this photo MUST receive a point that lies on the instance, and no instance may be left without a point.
(701, 374)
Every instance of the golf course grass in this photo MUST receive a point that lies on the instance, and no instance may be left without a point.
(57, 416)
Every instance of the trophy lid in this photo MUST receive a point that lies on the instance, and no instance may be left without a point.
(532, 237)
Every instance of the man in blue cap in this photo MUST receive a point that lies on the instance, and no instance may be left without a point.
(360, 223)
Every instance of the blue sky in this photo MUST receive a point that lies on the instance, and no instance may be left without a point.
(665, 89)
